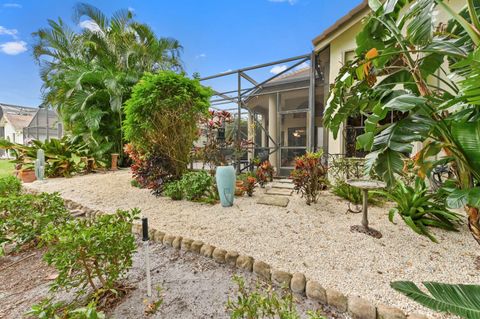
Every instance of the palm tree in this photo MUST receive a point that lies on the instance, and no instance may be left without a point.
(87, 75)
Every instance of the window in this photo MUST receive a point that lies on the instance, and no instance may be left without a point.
(348, 56)
(356, 126)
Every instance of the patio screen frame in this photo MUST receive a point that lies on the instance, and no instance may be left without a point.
(241, 95)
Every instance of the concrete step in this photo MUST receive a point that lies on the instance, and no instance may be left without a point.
(279, 191)
(283, 180)
(282, 185)
(273, 201)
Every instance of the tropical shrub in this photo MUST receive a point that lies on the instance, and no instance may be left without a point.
(354, 194)
(309, 176)
(400, 56)
(460, 300)
(420, 209)
(196, 184)
(174, 190)
(88, 74)
(135, 183)
(63, 157)
(212, 153)
(47, 309)
(161, 121)
(212, 196)
(192, 186)
(25, 218)
(10, 186)
(264, 303)
(92, 253)
(151, 170)
(249, 183)
(264, 173)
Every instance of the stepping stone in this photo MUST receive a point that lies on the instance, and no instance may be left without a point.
(273, 201)
(279, 191)
(284, 180)
(283, 185)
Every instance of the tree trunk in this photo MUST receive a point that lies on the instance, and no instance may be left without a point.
(474, 222)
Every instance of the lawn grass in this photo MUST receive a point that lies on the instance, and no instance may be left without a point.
(6, 168)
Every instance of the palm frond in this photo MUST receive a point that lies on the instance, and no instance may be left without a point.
(461, 300)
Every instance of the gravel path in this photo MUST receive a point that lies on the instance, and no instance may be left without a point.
(315, 240)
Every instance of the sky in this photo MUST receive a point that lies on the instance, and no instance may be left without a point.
(217, 35)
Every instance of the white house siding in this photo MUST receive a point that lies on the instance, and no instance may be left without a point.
(11, 135)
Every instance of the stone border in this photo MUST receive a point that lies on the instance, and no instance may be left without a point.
(357, 307)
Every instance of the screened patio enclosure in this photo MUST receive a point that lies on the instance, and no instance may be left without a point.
(44, 126)
(284, 111)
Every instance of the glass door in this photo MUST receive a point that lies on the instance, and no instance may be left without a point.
(293, 128)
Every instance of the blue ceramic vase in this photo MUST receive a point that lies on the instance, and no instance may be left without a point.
(225, 176)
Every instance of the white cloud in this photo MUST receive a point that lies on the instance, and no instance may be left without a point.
(90, 25)
(201, 55)
(303, 65)
(278, 68)
(12, 5)
(226, 71)
(11, 32)
(291, 2)
(13, 47)
(131, 9)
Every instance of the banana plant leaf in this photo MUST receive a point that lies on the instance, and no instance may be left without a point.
(461, 300)
(475, 37)
(467, 136)
(461, 197)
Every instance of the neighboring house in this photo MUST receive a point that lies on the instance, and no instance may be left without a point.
(13, 119)
(290, 107)
(20, 124)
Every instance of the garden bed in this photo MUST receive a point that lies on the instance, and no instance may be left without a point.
(315, 240)
(192, 286)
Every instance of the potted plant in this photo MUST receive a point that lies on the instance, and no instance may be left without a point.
(26, 173)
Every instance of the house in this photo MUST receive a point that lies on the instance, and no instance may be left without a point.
(20, 124)
(288, 107)
(13, 119)
(339, 40)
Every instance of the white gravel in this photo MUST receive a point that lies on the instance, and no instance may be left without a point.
(315, 240)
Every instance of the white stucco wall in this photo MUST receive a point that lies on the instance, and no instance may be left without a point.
(345, 42)
(12, 135)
